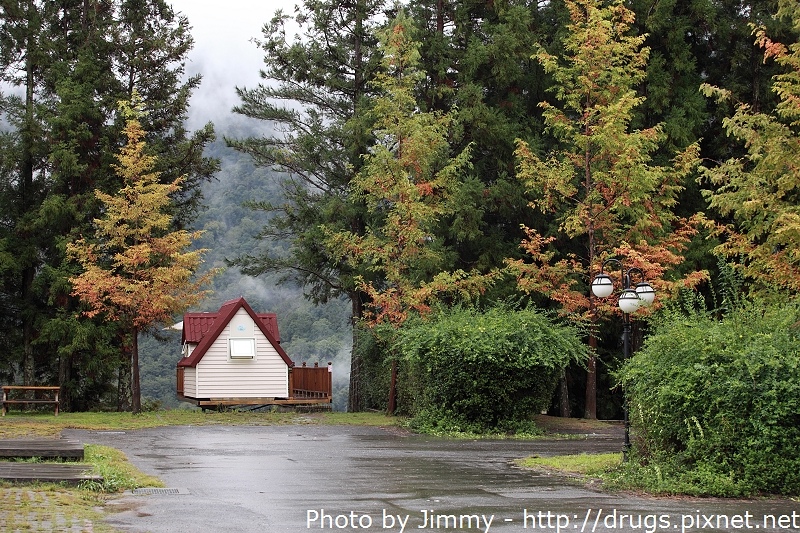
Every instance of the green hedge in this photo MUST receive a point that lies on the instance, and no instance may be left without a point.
(716, 403)
(477, 371)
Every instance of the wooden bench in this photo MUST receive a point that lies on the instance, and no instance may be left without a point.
(50, 393)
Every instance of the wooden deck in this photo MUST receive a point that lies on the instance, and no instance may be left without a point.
(309, 383)
(47, 472)
(308, 386)
(44, 448)
(214, 403)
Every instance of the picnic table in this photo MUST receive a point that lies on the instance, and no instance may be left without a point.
(41, 394)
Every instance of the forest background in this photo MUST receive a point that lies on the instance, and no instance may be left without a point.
(475, 74)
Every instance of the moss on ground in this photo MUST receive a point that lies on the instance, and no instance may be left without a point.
(584, 464)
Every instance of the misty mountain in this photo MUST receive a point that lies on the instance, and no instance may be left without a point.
(309, 333)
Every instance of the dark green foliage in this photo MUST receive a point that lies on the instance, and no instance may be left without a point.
(477, 56)
(372, 348)
(478, 66)
(150, 36)
(315, 85)
(477, 371)
(716, 403)
(72, 61)
(157, 357)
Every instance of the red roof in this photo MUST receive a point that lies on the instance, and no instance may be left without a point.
(204, 328)
(196, 325)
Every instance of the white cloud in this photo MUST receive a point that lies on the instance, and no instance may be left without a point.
(224, 53)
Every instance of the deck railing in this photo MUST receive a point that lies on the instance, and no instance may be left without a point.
(307, 382)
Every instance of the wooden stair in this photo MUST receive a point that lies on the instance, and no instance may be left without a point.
(47, 472)
(44, 448)
(48, 449)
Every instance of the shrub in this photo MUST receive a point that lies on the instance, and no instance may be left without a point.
(720, 399)
(477, 371)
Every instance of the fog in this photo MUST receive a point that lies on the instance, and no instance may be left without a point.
(224, 52)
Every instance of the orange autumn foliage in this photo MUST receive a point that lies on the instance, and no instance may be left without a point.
(134, 269)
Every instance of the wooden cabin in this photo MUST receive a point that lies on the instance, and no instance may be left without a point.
(234, 357)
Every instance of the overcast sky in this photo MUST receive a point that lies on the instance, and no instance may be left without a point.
(223, 52)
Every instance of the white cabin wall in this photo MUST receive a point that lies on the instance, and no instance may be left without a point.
(189, 382)
(265, 376)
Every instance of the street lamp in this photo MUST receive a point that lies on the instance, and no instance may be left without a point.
(631, 298)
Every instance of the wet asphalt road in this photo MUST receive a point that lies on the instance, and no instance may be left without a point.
(336, 478)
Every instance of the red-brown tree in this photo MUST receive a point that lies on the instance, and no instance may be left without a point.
(135, 269)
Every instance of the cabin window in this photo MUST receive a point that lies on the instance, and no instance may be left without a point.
(242, 348)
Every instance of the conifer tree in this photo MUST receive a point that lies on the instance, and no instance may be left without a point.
(607, 198)
(135, 271)
(148, 36)
(760, 192)
(478, 65)
(23, 58)
(75, 60)
(314, 86)
(407, 184)
(692, 41)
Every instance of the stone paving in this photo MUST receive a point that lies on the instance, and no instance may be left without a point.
(23, 510)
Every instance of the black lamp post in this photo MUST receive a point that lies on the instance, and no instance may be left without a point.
(630, 299)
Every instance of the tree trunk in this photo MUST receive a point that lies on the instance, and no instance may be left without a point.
(563, 390)
(64, 375)
(393, 389)
(136, 391)
(26, 202)
(28, 364)
(591, 365)
(354, 400)
(591, 380)
(124, 382)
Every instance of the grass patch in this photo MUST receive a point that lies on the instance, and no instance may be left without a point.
(538, 427)
(585, 464)
(21, 424)
(670, 477)
(527, 430)
(334, 418)
(664, 478)
(118, 473)
(531, 433)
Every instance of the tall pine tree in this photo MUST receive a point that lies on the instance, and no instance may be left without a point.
(313, 87)
(760, 191)
(600, 186)
(407, 183)
(134, 270)
(68, 56)
(149, 34)
(478, 64)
